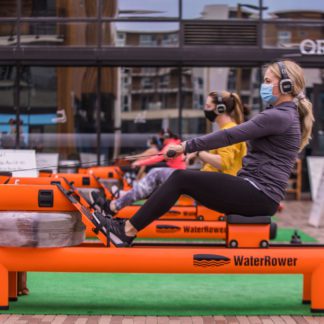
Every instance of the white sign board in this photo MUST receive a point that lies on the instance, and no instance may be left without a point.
(315, 172)
(316, 178)
(90, 159)
(47, 161)
(22, 163)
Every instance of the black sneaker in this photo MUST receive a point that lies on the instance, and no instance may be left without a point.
(102, 203)
(116, 229)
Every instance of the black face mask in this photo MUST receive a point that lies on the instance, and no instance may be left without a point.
(210, 115)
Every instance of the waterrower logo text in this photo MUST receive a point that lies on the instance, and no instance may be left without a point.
(212, 260)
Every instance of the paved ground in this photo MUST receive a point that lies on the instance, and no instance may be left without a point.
(295, 214)
(63, 319)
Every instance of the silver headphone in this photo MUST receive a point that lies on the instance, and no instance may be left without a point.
(220, 106)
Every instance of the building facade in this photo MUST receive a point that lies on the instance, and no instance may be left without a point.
(101, 76)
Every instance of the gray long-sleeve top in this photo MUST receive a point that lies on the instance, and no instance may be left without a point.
(274, 137)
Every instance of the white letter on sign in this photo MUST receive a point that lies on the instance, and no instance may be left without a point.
(307, 47)
(320, 46)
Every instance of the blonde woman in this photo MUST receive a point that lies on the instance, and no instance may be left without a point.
(275, 135)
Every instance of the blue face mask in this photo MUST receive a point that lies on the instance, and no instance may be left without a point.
(266, 93)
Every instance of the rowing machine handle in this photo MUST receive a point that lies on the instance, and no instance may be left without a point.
(171, 153)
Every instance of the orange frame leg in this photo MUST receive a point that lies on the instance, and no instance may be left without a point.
(4, 286)
(13, 286)
(307, 279)
(317, 289)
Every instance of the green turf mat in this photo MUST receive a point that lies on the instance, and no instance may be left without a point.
(168, 295)
(139, 203)
(284, 235)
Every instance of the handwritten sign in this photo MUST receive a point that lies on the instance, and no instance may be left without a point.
(48, 161)
(22, 163)
(316, 177)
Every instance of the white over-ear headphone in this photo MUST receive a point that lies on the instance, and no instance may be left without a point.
(285, 84)
(220, 106)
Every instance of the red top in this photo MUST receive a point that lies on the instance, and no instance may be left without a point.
(176, 163)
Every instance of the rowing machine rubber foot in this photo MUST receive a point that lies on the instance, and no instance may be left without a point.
(273, 231)
(295, 239)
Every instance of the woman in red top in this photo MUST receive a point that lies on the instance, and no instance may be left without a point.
(154, 178)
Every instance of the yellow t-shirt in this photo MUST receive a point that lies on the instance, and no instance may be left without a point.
(231, 156)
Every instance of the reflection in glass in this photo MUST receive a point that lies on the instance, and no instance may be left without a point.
(290, 35)
(7, 111)
(59, 8)
(141, 9)
(109, 112)
(144, 34)
(58, 34)
(220, 9)
(8, 34)
(146, 102)
(302, 9)
(8, 8)
(57, 110)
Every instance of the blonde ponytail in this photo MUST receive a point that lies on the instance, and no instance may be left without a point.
(238, 111)
(306, 120)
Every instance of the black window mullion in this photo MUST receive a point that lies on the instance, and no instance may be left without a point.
(99, 23)
(98, 112)
(18, 22)
(17, 104)
(180, 101)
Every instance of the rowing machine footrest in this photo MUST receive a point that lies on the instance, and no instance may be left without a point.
(247, 232)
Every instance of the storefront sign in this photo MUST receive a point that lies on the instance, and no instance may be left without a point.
(312, 47)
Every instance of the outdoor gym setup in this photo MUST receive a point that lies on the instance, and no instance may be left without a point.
(244, 249)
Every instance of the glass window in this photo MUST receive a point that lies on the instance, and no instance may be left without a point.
(7, 104)
(284, 37)
(58, 34)
(146, 108)
(220, 9)
(57, 110)
(143, 34)
(302, 9)
(140, 9)
(8, 34)
(8, 8)
(59, 8)
(290, 35)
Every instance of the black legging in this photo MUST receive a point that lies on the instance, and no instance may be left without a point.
(218, 191)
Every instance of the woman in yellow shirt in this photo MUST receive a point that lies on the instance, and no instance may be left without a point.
(226, 110)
